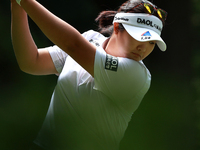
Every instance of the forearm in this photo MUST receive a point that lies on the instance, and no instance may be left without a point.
(23, 44)
(57, 30)
(62, 34)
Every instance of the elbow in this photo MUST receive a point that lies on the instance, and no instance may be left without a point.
(27, 65)
(26, 68)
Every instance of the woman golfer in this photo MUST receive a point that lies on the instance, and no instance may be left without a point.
(101, 80)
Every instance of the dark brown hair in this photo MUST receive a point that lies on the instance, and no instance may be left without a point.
(105, 18)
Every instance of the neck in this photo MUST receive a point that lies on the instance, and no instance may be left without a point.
(105, 43)
(111, 46)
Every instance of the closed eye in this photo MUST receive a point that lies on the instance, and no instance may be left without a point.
(152, 42)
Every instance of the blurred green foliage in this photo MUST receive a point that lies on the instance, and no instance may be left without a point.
(168, 117)
(196, 60)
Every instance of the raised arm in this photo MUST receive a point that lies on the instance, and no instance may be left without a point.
(30, 60)
(62, 34)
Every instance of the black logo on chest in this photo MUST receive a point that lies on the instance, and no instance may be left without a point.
(93, 41)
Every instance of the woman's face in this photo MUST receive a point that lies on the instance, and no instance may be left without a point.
(133, 49)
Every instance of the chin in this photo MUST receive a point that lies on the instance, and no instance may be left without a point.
(137, 59)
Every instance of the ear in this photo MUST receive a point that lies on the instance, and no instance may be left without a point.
(116, 28)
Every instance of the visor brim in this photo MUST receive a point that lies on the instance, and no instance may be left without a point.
(143, 35)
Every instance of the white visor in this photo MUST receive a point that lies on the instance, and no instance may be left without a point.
(142, 27)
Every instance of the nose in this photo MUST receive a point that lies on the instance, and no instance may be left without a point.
(142, 47)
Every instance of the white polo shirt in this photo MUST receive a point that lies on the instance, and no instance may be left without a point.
(89, 113)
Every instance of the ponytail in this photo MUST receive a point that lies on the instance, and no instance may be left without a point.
(105, 20)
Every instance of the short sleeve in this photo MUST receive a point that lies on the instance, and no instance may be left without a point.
(58, 56)
(121, 79)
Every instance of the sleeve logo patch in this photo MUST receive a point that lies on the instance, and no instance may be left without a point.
(111, 63)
